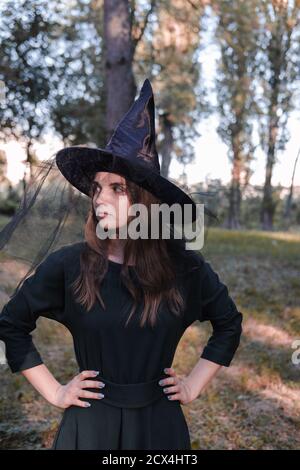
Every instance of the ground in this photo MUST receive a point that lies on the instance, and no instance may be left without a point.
(253, 404)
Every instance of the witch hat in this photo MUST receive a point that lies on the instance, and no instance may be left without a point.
(130, 152)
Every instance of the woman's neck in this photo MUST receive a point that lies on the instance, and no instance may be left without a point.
(116, 250)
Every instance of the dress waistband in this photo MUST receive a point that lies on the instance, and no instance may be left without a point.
(133, 395)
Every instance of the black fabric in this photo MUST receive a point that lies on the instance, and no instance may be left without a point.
(209, 299)
(123, 355)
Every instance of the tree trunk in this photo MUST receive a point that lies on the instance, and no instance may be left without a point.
(288, 207)
(268, 206)
(120, 87)
(233, 221)
(27, 165)
(166, 146)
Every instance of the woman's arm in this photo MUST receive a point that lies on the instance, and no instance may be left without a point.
(59, 395)
(200, 376)
(208, 300)
(43, 381)
(41, 294)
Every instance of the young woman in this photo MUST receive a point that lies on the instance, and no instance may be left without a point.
(126, 302)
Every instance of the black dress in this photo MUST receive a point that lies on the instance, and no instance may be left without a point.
(135, 413)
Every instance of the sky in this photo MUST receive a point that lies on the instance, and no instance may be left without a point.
(211, 158)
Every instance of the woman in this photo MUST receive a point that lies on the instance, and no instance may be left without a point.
(126, 302)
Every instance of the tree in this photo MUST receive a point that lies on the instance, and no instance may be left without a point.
(77, 107)
(23, 68)
(175, 53)
(236, 35)
(278, 69)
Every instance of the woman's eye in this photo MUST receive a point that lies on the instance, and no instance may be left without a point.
(119, 189)
(96, 189)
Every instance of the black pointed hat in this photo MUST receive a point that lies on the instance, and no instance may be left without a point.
(130, 152)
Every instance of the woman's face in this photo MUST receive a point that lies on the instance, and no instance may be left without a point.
(110, 200)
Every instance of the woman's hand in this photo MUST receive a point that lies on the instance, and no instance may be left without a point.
(177, 388)
(67, 395)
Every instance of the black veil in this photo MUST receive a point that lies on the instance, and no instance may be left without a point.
(52, 213)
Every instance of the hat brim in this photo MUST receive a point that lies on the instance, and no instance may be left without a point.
(79, 165)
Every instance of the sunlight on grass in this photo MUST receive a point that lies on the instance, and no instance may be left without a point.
(239, 242)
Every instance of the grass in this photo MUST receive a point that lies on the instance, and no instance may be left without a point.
(253, 404)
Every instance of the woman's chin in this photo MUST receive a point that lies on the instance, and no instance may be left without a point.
(110, 226)
(105, 225)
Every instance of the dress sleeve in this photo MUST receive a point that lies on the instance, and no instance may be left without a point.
(209, 300)
(40, 294)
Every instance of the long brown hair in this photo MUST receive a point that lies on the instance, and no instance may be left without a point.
(153, 265)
